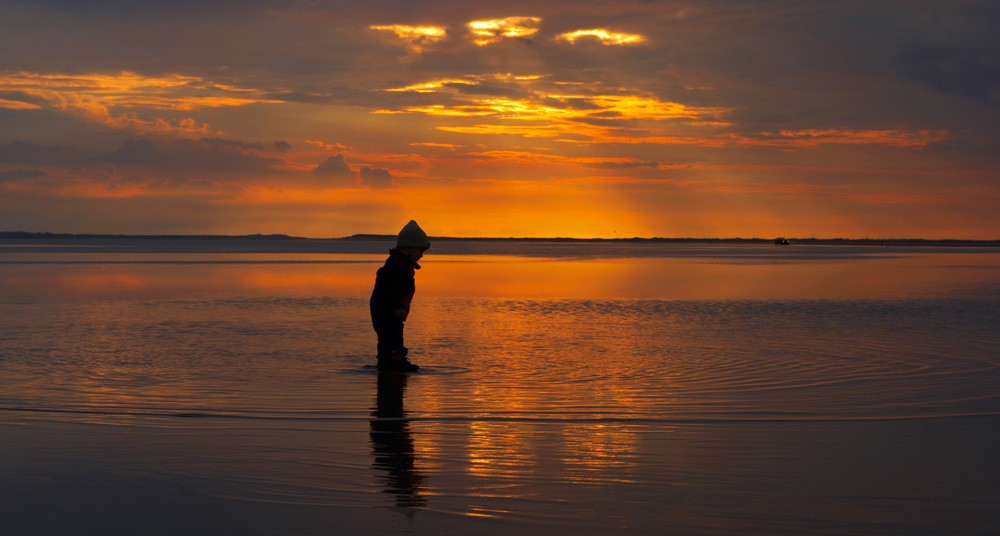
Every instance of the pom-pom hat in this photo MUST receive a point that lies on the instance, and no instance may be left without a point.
(412, 236)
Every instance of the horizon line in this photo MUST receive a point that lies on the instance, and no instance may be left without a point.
(389, 237)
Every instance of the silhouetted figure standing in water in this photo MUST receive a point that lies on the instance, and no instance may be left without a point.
(390, 301)
(392, 444)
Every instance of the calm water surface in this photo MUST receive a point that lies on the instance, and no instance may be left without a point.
(211, 387)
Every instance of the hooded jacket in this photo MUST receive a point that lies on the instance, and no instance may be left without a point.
(394, 286)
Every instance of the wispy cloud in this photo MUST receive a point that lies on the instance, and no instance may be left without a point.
(415, 38)
(487, 32)
(93, 97)
(857, 110)
(605, 37)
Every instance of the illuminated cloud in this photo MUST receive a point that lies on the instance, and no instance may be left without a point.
(545, 115)
(414, 38)
(611, 106)
(429, 87)
(92, 96)
(441, 145)
(18, 105)
(486, 32)
(605, 37)
(327, 146)
(645, 110)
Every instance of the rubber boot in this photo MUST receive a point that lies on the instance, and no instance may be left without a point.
(397, 362)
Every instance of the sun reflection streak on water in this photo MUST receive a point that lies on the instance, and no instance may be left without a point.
(544, 380)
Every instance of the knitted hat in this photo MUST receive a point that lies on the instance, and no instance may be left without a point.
(412, 236)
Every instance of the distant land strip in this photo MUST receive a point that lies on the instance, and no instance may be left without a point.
(387, 238)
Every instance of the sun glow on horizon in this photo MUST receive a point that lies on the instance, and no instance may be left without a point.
(486, 117)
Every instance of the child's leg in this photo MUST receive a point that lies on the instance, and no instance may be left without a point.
(391, 352)
(390, 338)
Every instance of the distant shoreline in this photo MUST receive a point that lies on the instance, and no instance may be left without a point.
(635, 240)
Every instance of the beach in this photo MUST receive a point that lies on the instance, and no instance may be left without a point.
(228, 387)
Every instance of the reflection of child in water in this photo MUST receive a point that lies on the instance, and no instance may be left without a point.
(390, 301)
(392, 443)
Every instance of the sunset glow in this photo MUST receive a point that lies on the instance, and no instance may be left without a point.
(667, 120)
(604, 36)
(492, 31)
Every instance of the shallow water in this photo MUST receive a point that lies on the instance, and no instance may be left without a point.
(161, 387)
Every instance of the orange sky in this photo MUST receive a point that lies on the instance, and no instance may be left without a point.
(544, 118)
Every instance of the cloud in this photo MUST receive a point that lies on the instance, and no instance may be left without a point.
(824, 88)
(327, 146)
(605, 37)
(93, 97)
(622, 164)
(20, 174)
(147, 7)
(972, 73)
(415, 38)
(375, 177)
(486, 32)
(336, 170)
(18, 105)
(278, 146)
(213, 157)
(134, 151)
(21, 152)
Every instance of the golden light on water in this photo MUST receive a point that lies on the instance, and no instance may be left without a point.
(499, 277)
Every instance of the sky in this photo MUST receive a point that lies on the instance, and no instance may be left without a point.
(578, 118)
